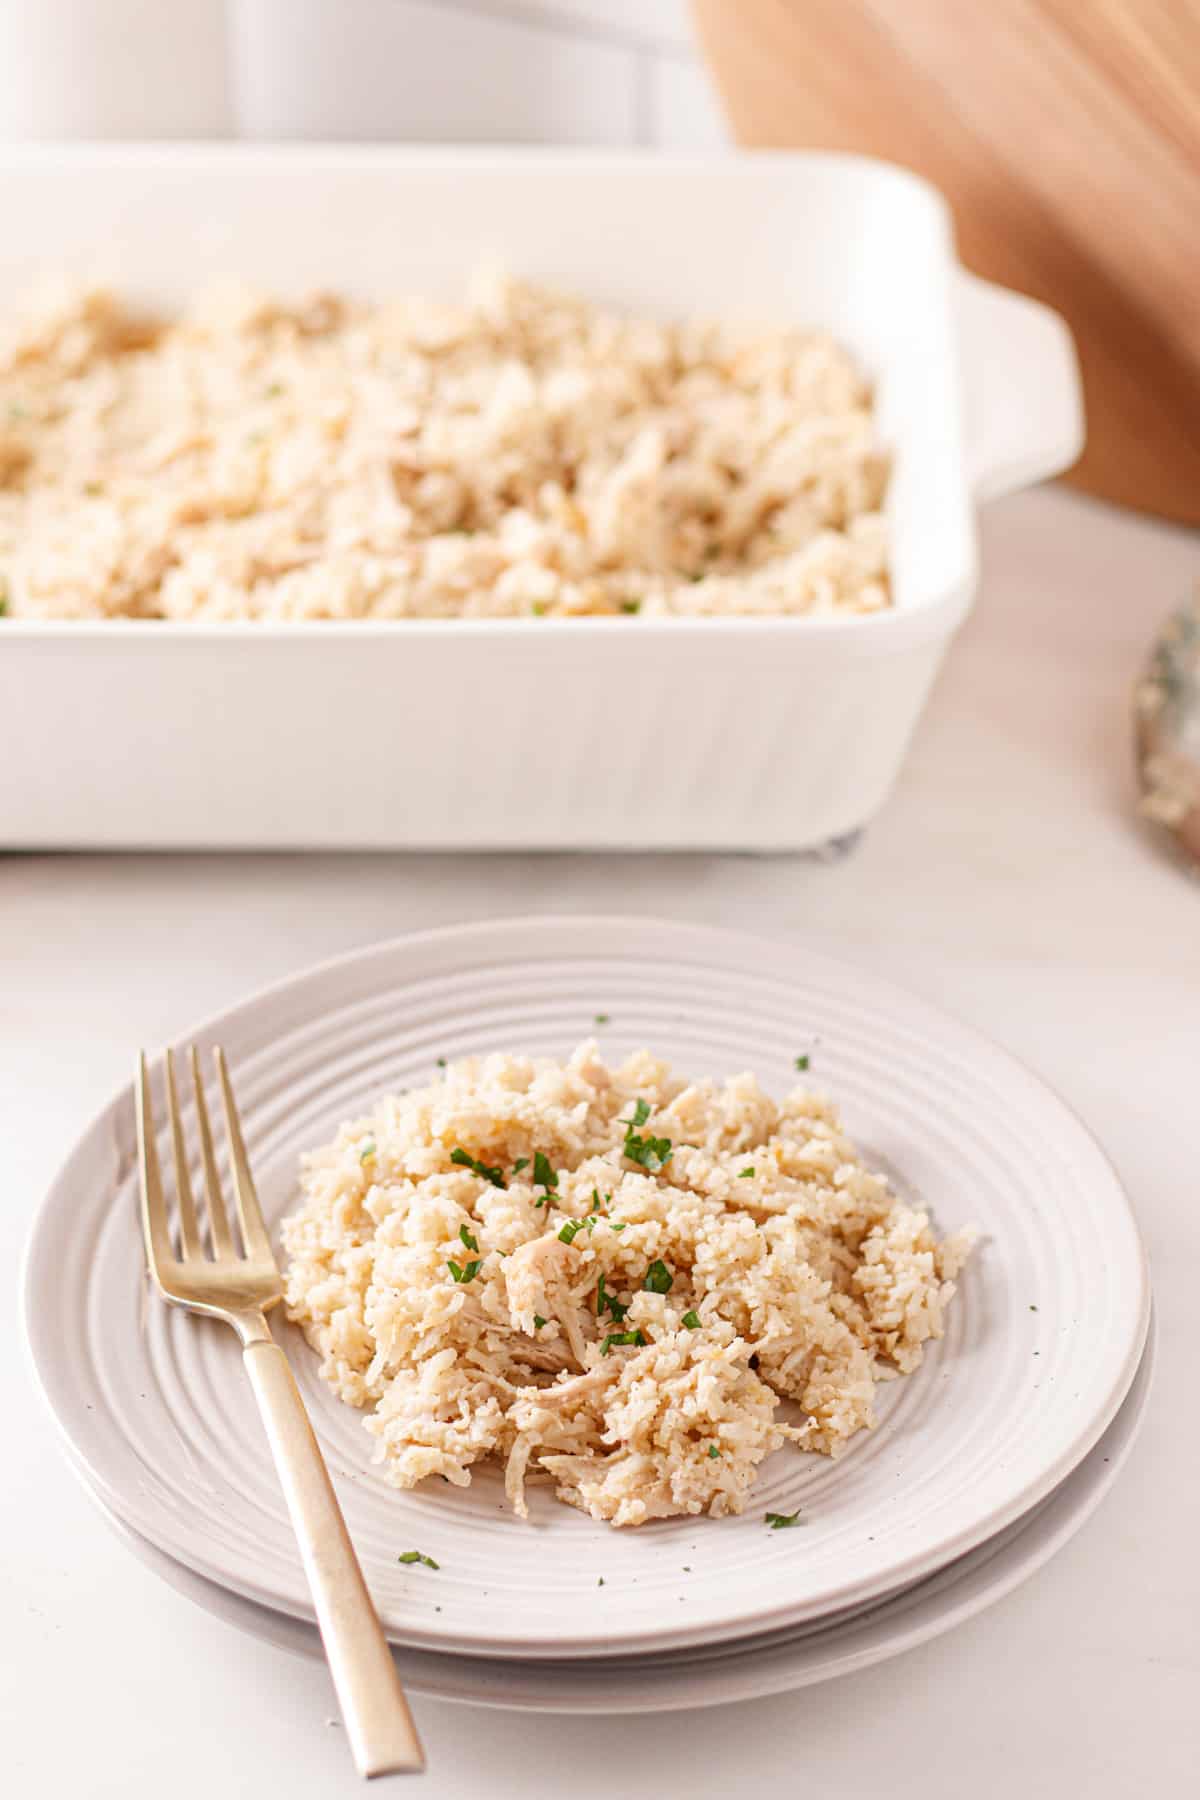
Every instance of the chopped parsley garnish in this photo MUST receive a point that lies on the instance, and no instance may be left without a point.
(469, 1242)
(691, 1319)
(418, 1556)
(543, 1174)
(600, 1581)
(600, 1019)
(595, 1206)
(620, 1337)
(469, 1273)
(1033, 1309)
(3, 602)
(538, 609)
(652, 1153)
(631, 606)
(713, 1451)
(781, 1521)
(538, 1321)
(618, 1224)
(441, 1062)
(659, 1279)
(745, 1174)
(522, 1162)
(802, 1062)
(486, 1170)
(605, 1300)
(570, 1231)
(367, 1152)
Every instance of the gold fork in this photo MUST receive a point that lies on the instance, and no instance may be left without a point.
(239, 1287)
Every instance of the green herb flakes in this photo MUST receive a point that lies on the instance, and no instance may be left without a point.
(485, 1170)
(367, 1152)
(781, 1521)
(605, 1301)
(469, 1273)
(600, 1019)
(417, 1556)
(631, 606)
(538, 609)
(746, 1174)
(713, 1451)
(658, 1279)
(538, 1321)
(468, 1240)
(570, 1231)
(691, 1319)
(600, 1581)
(651, 1153)
(522, 1162)
(441, 1062)
(620, 1337)
(543, 1174)
(802, 1063)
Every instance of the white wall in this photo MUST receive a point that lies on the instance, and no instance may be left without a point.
(617, 72)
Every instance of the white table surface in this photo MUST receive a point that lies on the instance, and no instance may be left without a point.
(1007, 880)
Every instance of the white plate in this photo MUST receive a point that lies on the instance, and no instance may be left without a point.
(1042, 1345)
(753, 1667)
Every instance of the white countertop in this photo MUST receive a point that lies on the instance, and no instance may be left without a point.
(1006, 880)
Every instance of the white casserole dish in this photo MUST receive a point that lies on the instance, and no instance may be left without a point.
(753, 734)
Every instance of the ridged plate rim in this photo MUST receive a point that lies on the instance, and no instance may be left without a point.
(294, 1006)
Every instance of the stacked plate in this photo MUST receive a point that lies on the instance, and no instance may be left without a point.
(981, 1465)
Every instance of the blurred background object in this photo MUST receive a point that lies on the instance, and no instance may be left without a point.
(1066, 135)
(606, 72)
(1167, 728)
(113, 69)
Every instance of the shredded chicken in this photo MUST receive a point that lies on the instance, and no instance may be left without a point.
(608, 1276)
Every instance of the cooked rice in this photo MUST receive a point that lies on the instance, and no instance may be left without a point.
(522, 452)
(809, 1280)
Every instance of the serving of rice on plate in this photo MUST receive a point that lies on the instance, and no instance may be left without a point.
(637, 1285)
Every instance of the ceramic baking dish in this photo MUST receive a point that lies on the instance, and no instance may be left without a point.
(629, 733)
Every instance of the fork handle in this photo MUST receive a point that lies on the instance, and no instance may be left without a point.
(382, 1736)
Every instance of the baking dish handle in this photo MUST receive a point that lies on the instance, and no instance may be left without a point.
(1024, 403)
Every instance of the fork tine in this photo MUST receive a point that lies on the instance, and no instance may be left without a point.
(155, 1229)
(218, 1218)
(254, 1232)
(189, 1234)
